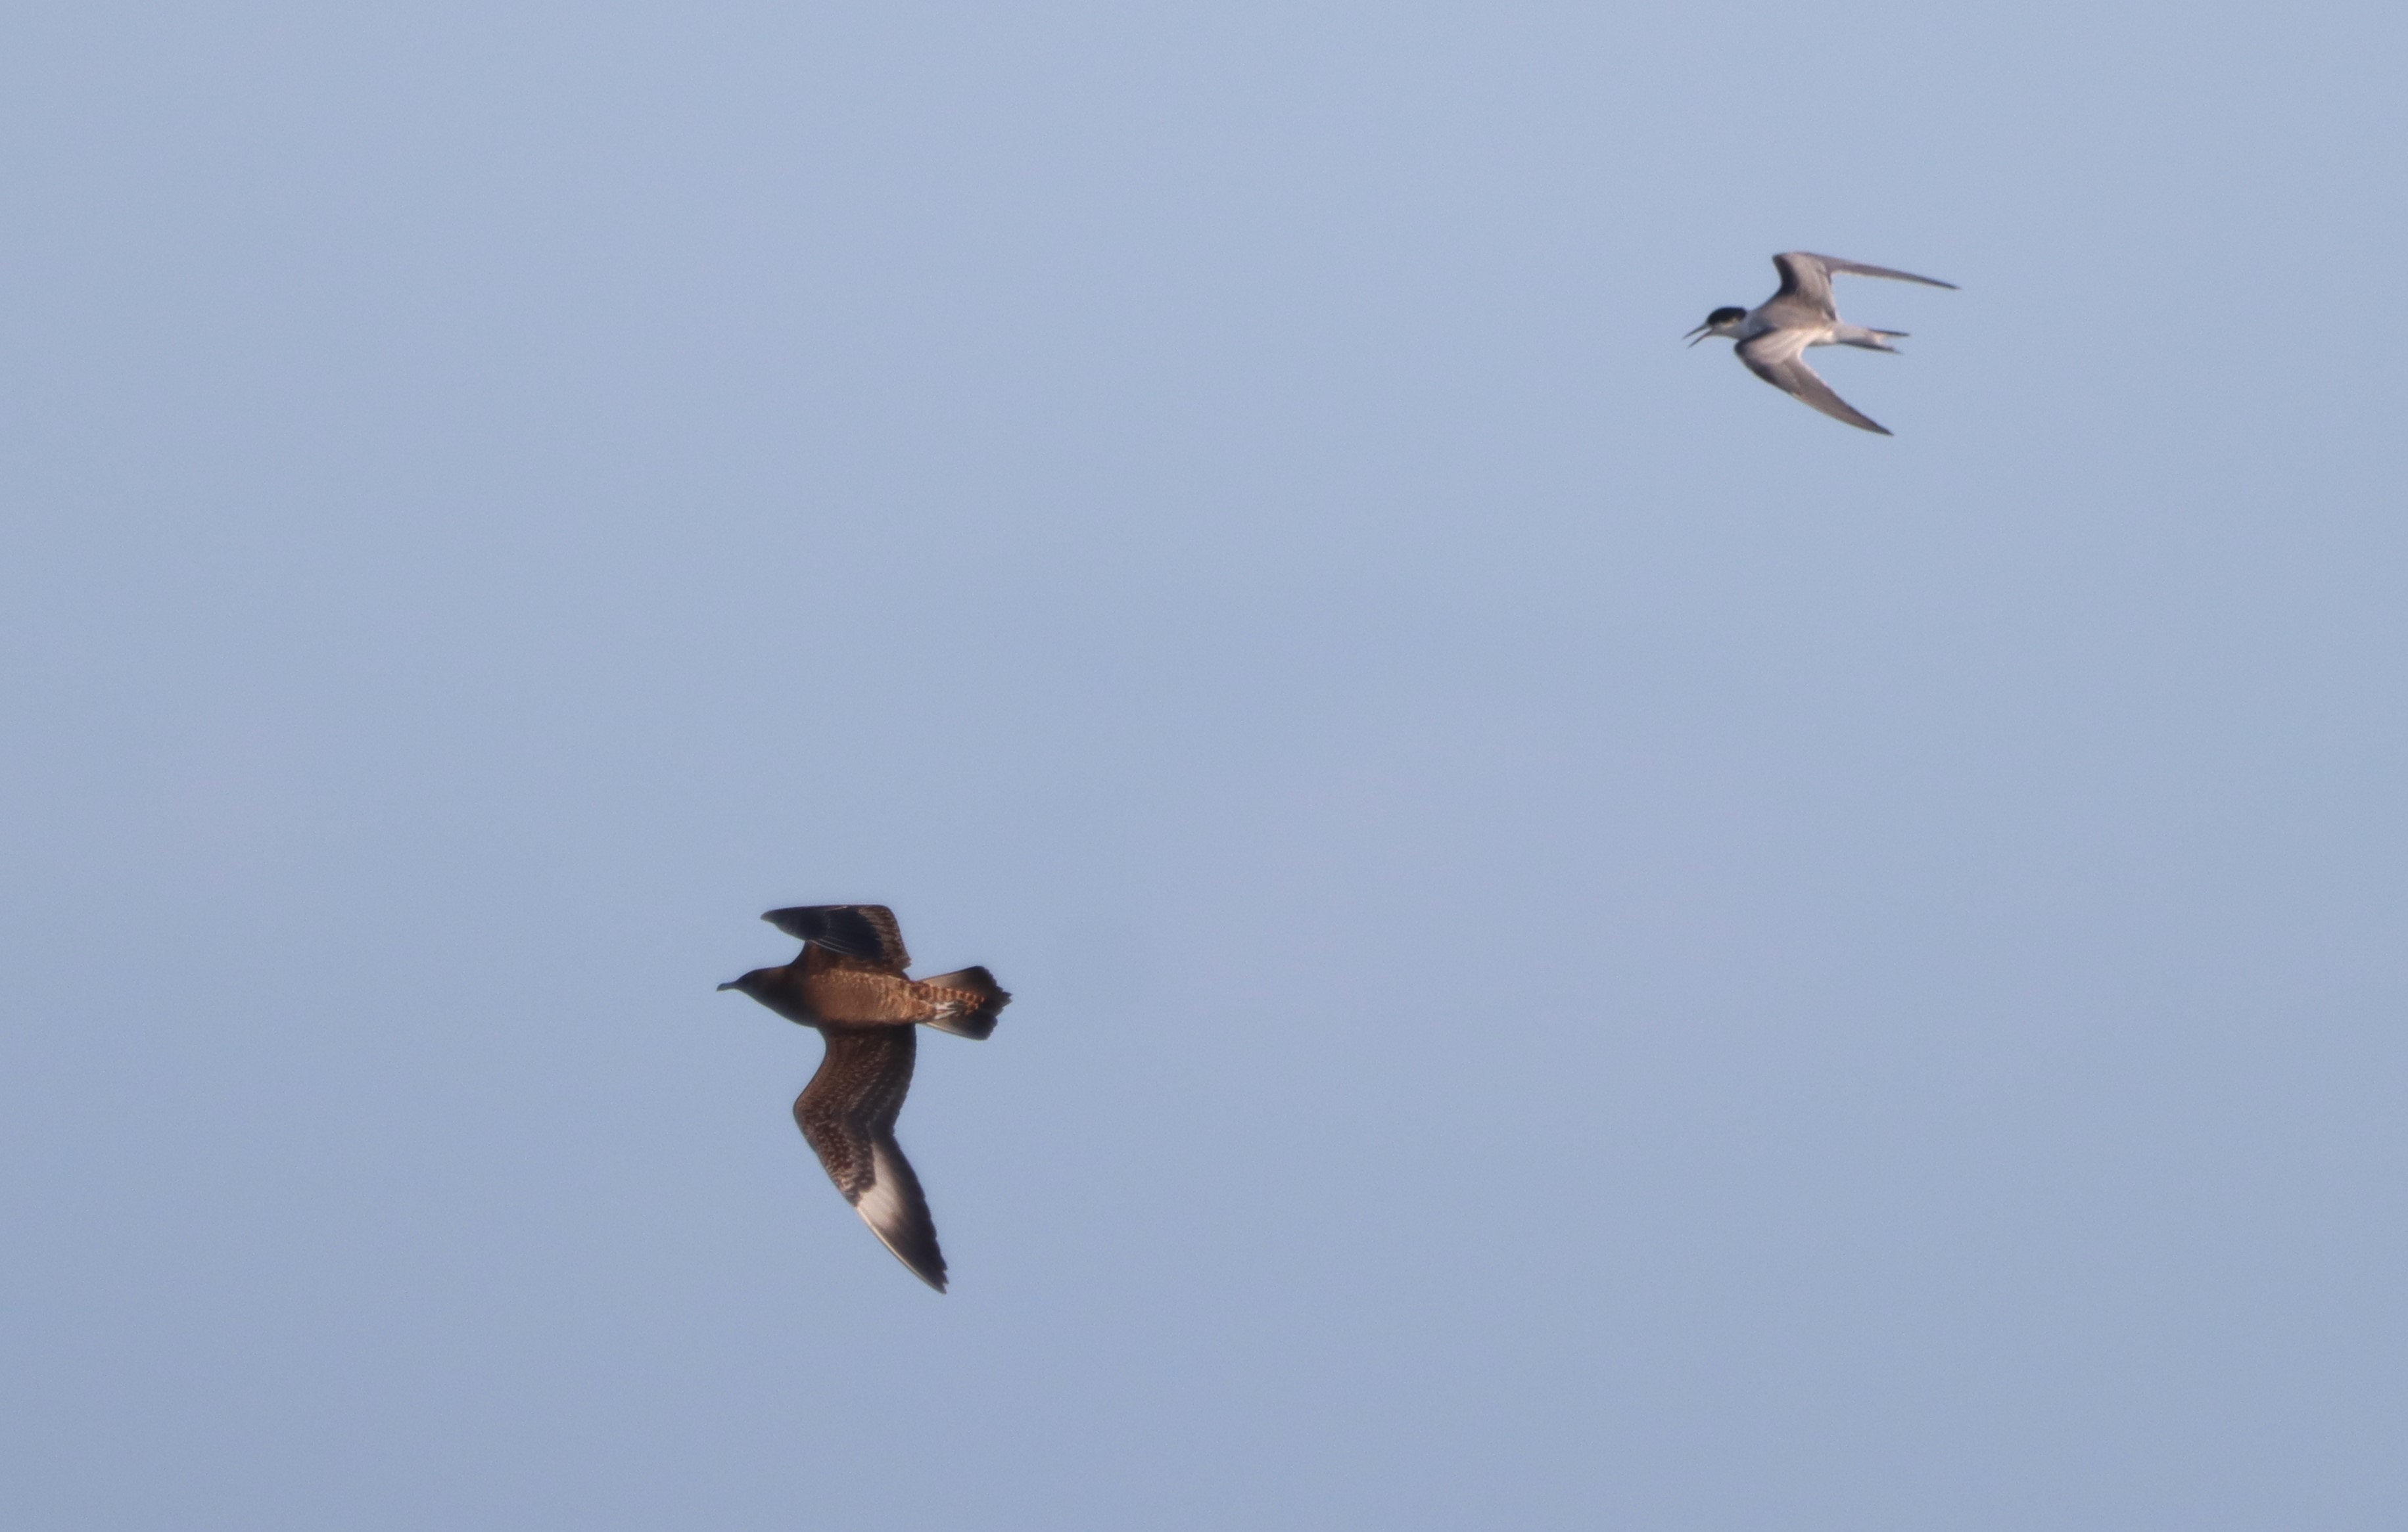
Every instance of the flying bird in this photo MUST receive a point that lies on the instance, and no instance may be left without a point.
(1773, 335)
(847, 982)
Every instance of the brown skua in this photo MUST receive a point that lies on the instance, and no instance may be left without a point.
(847, 982)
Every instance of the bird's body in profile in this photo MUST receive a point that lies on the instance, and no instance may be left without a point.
(1773, 335)
(847, 982)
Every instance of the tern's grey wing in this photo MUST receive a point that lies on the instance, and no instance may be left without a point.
(847, 1113)
(1804, 280)
(1779, 358)
(1856, 268)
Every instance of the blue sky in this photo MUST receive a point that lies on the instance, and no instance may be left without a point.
(1593, 948)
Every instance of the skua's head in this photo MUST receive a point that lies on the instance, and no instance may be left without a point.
(750, 983)
(1722, 321)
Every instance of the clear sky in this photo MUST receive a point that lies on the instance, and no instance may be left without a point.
(1594, 947)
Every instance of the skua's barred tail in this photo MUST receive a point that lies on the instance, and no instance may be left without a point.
(969, 1007)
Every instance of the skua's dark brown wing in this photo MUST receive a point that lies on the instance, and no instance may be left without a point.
(848, 1114)
(865, 933)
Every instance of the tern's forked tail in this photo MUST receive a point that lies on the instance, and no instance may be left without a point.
(1871, 340)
